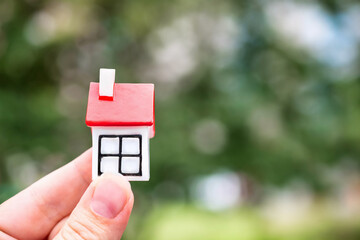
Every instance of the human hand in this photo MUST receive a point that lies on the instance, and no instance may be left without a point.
(66, 205)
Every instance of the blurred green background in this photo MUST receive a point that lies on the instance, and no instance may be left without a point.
(257, 109)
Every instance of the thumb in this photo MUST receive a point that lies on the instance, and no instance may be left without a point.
(103, 211)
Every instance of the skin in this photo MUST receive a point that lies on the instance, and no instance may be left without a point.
(66, 205)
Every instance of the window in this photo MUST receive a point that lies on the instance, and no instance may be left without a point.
(120, 154)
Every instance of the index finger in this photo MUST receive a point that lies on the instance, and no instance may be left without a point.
(32, 213)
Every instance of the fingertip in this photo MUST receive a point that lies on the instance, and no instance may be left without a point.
(111, 195)
(104, 209)
(118, 179)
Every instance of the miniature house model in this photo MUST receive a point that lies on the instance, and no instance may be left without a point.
(121, 117)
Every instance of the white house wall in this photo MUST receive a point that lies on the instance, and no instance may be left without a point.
(144, 131)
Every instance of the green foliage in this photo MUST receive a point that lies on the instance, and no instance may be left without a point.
(189, 222)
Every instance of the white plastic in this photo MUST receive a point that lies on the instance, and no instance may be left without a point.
(109, 145)
(130, 164)
(129, 146)
(106, 82)
(109, 164)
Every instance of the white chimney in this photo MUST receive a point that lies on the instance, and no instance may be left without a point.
(106, 84)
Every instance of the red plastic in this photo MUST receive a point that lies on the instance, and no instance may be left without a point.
(132, 105)
(107, 98)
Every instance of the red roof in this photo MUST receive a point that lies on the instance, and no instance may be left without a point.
(132, 105)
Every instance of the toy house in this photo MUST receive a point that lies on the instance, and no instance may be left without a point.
(121, 117)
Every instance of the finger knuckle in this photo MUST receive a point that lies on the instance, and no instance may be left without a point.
(79, 230)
